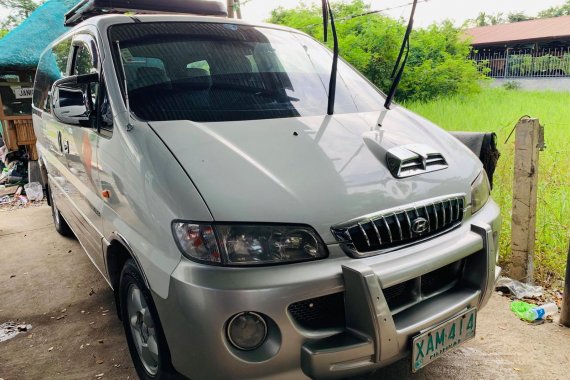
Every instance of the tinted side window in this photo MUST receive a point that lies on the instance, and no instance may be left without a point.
(52, 66)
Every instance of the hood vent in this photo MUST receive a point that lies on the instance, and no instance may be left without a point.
(409, 160)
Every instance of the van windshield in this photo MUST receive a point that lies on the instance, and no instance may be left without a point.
(209, 72)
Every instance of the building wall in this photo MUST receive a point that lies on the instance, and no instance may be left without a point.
(554, 84)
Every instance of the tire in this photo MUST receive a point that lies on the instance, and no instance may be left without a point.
(143, 330)
(59, 223)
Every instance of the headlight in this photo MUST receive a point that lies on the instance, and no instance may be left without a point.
(480, 192)
(250, 244)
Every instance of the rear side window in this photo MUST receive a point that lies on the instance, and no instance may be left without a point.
(52, 66)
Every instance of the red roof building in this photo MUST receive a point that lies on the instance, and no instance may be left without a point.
(534, 48)
(534, 34)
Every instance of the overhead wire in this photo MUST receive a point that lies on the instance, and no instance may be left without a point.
(367, 13)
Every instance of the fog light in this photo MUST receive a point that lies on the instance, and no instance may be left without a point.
(247, 330)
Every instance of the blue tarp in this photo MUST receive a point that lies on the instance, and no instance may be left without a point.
(21, 48)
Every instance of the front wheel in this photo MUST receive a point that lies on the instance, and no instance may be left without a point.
(142, 327)
(59, 223)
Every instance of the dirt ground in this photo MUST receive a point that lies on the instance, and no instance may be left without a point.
(47, 281)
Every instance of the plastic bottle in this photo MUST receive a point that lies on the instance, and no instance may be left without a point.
(541, 312)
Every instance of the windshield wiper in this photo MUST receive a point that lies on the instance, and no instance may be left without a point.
(401, 64)
(327, 11)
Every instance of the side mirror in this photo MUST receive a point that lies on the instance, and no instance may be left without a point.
(72, 99)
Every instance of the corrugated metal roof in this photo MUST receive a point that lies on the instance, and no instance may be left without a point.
(532, 30)
(21, 48)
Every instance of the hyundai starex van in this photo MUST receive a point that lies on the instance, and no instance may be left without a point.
(245, 232)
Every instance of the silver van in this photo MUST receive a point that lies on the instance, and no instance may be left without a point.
(245, 232)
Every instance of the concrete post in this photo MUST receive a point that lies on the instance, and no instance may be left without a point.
(525, 185)
(565, 312)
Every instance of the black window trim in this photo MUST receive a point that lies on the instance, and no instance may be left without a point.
(85, 39)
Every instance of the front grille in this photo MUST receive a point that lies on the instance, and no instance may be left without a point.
(441, 278)
(410, 292)
(386, 231)
(319, 313)
(401, 294)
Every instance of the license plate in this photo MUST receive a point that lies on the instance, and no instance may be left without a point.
(432, 343)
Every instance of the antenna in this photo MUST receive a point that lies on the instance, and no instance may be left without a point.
(401, 63)
(332, 83)
(127, 103)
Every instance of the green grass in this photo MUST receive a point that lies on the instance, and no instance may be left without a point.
(498, 110)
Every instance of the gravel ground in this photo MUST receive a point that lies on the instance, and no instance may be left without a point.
(47, 281)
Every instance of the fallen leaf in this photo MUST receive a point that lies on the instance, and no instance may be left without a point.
(60, 317)
(63, 310)
(49, 349)
(12, 276)
(116, 366)
(81, 348)
(100, 361)
(516, 369)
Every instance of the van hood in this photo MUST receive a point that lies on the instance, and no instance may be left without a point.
(311, 170)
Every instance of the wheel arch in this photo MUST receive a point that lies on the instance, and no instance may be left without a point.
(117, 253)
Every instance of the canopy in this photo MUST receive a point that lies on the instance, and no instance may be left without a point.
(21, 48)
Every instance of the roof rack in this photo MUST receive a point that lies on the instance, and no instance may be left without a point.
(90, 8)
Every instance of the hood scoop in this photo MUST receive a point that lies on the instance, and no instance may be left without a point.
(409, 160)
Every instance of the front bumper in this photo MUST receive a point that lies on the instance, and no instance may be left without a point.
(203, 298)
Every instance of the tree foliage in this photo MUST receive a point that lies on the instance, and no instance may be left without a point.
(438, 63)
(484, 19)
(562, 10)
(518, 16)
(19, 11)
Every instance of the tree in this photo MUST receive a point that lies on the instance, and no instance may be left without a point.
(557, 11)
(438, 63)
(19, 11)
(496, 19)
(481, 19)
(484, 19)
(518, 16)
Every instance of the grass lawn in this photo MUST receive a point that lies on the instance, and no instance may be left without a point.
(498, 110)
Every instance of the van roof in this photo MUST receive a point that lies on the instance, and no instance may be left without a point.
(104, 22)
(86, 9)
